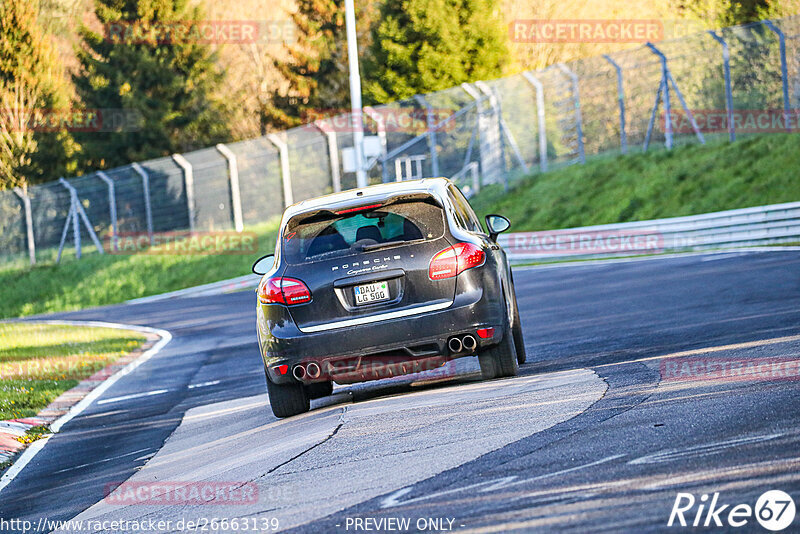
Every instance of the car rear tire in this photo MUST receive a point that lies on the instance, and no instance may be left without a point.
(287, 400)
(500, 360)
(317, 390)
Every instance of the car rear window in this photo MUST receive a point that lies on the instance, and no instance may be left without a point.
(325, 234)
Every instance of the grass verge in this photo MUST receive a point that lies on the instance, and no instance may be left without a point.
(687, 180)
(97, 280)
(38, 362)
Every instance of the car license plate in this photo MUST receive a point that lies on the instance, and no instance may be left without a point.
(369, 293)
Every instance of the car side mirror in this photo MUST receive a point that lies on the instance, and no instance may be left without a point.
(497, 224)
(264, 264)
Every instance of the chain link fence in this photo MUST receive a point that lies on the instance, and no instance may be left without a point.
(712, 86)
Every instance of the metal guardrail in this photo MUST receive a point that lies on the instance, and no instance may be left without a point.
(762, 225)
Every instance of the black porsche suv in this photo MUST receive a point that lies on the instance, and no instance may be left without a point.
(383, 281)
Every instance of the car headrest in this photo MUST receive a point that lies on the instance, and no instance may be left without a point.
(369, 232)
(411, 231)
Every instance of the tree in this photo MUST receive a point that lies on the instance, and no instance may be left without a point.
(316, 72)
(161, 80)
(428, 45)
(33, 88)
(720, 13)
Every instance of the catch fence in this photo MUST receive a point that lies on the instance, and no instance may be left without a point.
(708, 87)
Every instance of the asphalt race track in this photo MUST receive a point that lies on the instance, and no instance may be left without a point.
(610, 419)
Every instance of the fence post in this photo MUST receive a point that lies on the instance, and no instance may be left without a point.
(76, 231)
(63, 240)
(533, 80)
(726, 71)
(666, 79)
(652, 120)
(476, 177)
(686, 108)
(380, 124)
(333, 154)
(623, 139)
(75, 211)
(398, 173)
(498, 113)
(26, 205)
(578, 115)
(665, 88)
(286, 176)
(233, 180)
(476, 96)
(148, 211)
(498, 116)
(188, 179)
(503, 127)
(431, 133)
(112, 202)
(784, 74)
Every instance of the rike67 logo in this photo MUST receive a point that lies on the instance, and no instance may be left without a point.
(774, 510)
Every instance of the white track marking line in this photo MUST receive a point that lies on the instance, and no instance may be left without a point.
(28, 454)
(707, 350)
(133, 396)
(722, 256)
(576, 468)
(703, 449)
(203, 384)
(102, 461)
(226, 411)
(154, 392)
(491, 485)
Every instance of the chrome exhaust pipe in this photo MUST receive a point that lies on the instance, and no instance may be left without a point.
(299, 372)
(313, 371)
(469, 342)
(454, 345)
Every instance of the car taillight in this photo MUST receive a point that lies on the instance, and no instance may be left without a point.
(283, 290)
(485, 333)
(454, 260)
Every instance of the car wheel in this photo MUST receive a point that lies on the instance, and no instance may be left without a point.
(287, 400)
(501, 359)
(519, 343)
(317, 390)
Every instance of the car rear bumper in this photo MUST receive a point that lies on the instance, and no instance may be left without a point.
(389, 347)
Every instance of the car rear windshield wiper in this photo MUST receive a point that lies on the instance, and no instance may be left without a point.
(388, 244)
